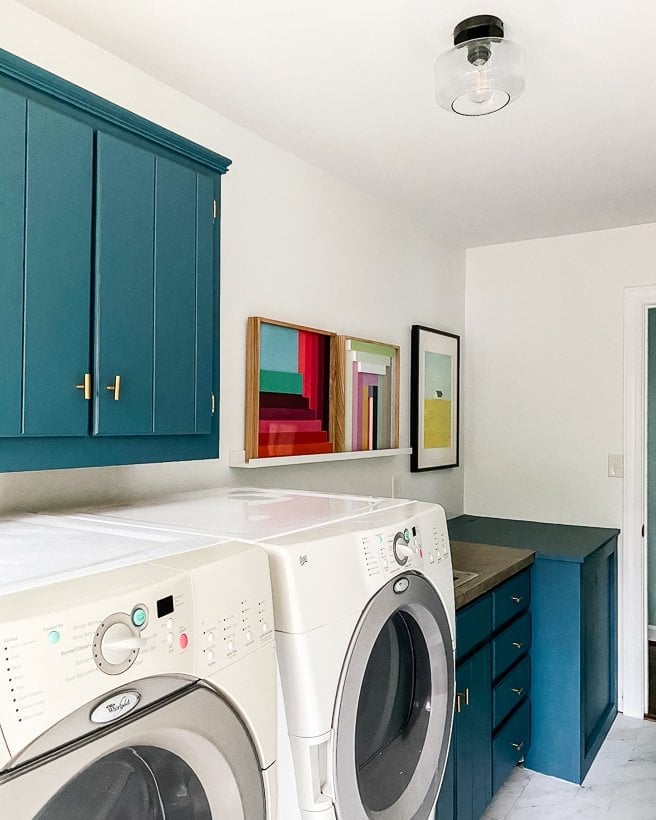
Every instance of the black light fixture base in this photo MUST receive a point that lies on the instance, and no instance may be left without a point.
(478, 27)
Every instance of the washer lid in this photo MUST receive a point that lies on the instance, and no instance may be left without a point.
(39, 549)
(189, 756)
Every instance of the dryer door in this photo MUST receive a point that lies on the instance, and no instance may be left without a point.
(394, 709)
(189, 757)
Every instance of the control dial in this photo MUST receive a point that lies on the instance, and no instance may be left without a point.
(116, 644)
(401, 548)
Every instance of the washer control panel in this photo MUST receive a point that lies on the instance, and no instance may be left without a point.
(64, 644)
(387, 551)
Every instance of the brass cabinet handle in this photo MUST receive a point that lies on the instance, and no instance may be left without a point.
(518, 644)
(116, 388)
(517, 599)
(460, 696)
(86, 386)
(519, 746)
(519, 691)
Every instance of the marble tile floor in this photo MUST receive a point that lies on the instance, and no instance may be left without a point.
(621, 783)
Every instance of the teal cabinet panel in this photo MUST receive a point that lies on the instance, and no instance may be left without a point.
(510, 644)
(511, 598)
(446, 801)
(511, 744)
(124, 293)
(473, 760)
(509, 692)
(175, 298)
(56, 353)
(207, 297)
(473, 625)
(12, 214)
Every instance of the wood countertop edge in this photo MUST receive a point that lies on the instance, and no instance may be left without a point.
(494, 565)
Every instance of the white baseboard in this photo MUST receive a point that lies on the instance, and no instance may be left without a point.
(651, 632)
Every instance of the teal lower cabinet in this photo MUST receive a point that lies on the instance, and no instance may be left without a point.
(574, 633)
(492, 727)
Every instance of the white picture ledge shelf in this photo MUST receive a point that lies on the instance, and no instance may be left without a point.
(237, 458)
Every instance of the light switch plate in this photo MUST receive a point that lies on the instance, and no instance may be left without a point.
(615, 465)
(396, 485)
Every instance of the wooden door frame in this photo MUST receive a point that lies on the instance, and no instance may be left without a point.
(633, 666)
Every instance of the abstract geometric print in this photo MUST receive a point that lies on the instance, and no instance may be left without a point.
(293, 395)
(437, 400)
(370, 414)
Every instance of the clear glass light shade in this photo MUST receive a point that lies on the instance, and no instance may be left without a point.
(479, 76)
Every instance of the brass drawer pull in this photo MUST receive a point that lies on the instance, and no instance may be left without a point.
(517, 599)
(519, 746)
(86, 386)
(518, 692)
(518, 644)
(116, 388)
(459, 698)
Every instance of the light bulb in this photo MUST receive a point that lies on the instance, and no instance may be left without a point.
(482, 92)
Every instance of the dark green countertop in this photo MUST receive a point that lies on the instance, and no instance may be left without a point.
(561, 542)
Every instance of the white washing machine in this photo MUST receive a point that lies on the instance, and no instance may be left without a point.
(138, 677)
(365, 637)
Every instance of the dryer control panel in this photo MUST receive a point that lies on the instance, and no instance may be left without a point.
(65, 644)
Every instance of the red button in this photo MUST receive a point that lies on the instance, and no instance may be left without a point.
(421, 553)
(183, 640)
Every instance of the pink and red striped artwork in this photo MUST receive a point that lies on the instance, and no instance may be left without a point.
(293, 390)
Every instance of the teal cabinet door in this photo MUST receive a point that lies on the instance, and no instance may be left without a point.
(57, 285)
(207, 297)
(184, 299)
(473, 753)
(124, 288)
(13, 110)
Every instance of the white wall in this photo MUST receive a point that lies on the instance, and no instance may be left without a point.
(544, 373)
(297, 244)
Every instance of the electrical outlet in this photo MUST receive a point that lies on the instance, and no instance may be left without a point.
(615, 465)
(396, 485)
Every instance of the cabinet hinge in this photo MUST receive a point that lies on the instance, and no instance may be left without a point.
(215, 208)
(213, 404)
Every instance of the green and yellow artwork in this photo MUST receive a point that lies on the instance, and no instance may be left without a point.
(437, 400)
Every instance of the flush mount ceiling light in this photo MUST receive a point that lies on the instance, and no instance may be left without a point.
(483, 73)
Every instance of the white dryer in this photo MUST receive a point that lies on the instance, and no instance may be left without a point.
(138, 677)
(364, 605)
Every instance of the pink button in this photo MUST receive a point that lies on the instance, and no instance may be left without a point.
(183, 640)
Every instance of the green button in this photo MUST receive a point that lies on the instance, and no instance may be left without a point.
(406, 535)
(53, 636)
(139, 616)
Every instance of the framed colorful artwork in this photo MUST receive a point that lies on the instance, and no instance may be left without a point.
(435, 399)
(366, 406)
(288, 389)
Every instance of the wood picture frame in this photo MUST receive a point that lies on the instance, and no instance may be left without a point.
(434, 399)
(366, 394)
(289, 389)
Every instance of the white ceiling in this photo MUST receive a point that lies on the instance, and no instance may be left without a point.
(348, 85)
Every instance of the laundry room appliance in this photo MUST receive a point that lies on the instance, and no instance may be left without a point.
(365, 637)
(138, 675)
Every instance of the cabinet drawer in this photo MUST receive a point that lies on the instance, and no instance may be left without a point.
(511, 644)
(511, 598)
(510, 690)
(511, 745)
(473, 625)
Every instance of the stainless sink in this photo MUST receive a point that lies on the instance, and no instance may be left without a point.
(461, 577)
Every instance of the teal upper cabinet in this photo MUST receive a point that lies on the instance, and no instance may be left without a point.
(57, 286)
(125, 242)
(12, 215)
(110, 270)
(154, 294)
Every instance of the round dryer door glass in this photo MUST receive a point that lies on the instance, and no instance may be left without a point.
(394, 712)
(136, 783)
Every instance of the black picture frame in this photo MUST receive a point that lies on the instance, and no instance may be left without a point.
(437, 426)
